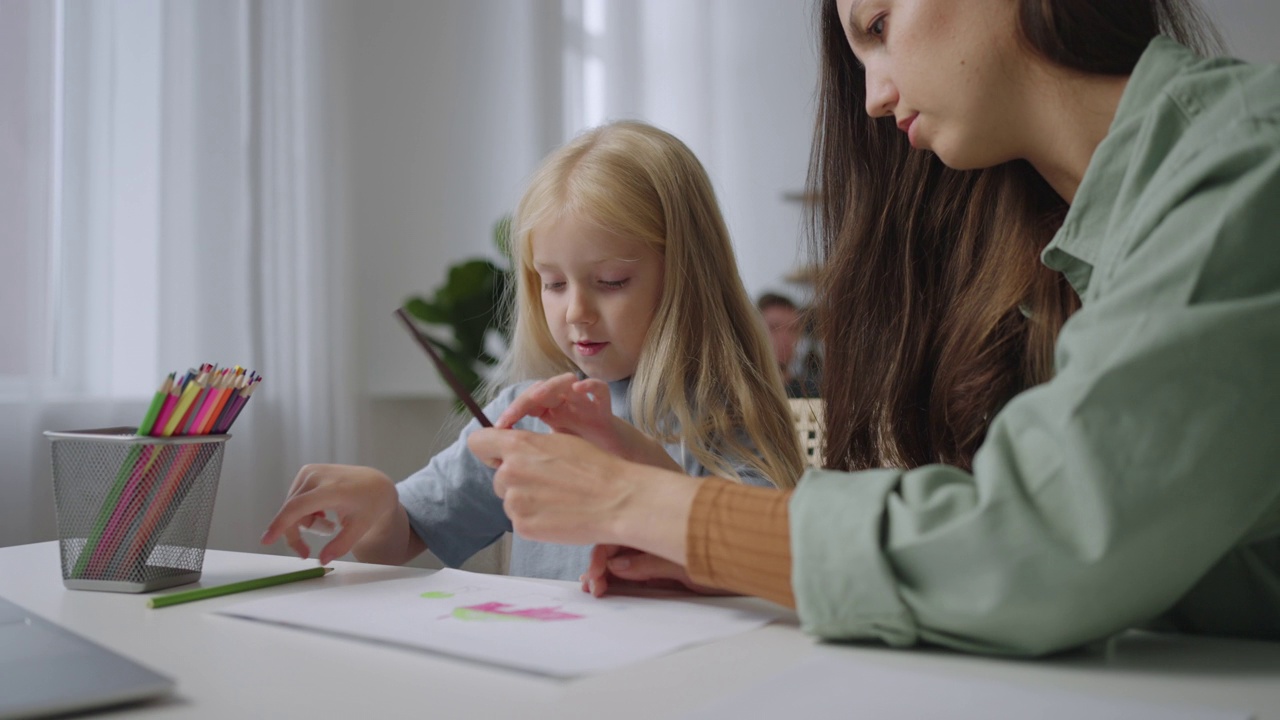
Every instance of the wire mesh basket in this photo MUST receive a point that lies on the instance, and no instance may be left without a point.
(133, 511)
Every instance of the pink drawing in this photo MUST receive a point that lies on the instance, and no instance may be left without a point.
(505, 610)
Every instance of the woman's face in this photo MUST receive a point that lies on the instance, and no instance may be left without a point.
(947, 71)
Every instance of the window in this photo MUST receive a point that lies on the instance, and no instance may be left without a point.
(80, 276)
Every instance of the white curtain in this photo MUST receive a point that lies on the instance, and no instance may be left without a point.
(172, 193)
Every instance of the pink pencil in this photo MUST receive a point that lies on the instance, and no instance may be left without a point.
(218, 402)
(210, 399)
(166, 410)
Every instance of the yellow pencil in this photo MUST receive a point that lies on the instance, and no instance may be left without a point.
(184, 403)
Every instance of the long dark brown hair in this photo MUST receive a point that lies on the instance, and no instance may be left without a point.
(934, 309)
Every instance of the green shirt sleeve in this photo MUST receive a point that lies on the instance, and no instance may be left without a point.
(1144, 478)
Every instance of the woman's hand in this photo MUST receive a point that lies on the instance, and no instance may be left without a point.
(582, 407)
(362, 498)
(613, 563)
(559, 488)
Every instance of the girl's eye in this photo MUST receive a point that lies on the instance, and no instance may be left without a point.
(552, 286)
(615, 284)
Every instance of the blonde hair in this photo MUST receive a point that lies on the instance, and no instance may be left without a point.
(706, 375)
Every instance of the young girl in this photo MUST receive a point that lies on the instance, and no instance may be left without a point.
(986, 493)
(625, 275)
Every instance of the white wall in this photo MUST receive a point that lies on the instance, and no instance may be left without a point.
(1250, 27)
(735, 79)
(437, 154)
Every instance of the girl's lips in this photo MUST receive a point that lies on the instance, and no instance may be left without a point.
(589, 348)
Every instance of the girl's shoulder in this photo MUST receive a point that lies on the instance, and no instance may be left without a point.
(504, 397)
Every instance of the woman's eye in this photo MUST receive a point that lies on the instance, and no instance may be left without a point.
(615, 284)
(552, 286)
(876, 28)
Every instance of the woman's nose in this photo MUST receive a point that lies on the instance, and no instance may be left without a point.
(882, 94)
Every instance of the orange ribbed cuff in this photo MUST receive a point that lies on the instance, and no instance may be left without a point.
(739, 539)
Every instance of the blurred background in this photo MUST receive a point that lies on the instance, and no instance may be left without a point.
(261, 182)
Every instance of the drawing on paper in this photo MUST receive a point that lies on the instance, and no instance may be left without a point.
(500, 611)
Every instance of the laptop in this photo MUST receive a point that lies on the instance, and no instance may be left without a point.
(46, 669)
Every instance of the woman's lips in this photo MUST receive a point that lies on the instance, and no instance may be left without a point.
(908, 126)
(589, 348)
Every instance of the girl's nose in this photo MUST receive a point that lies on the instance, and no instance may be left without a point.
(580, 309)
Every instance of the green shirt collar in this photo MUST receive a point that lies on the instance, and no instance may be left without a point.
(1074, 250)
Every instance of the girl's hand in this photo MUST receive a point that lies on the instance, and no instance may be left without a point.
(567, 405)
(613, 563)
(559, 488)
(582, 408)
(361, 497)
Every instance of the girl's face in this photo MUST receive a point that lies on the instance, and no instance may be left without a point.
(599, 294)
(946, 71)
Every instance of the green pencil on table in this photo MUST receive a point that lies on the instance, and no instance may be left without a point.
(218, 590)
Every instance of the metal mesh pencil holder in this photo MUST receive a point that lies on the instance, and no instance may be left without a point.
(133, 511)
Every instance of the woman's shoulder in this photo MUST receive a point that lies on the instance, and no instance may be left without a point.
(1220, 102)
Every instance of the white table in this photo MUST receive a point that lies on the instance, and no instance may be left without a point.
(227, 667)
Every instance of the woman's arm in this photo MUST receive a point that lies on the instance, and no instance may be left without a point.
(561, 488)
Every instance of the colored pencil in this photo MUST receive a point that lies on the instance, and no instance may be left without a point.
(153, 479)
(166, 410)
(186, 596)
(445, 372)
(157, 402)
(179, 417)
(248, 393)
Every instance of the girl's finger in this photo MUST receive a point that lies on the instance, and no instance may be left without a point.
(342, 543)
(292, 512)
(294, 540)
(643, 566)
(595, 391)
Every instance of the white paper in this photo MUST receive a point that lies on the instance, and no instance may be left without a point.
(532, 626)
(830, 685)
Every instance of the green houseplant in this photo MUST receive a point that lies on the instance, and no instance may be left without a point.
(468, 306)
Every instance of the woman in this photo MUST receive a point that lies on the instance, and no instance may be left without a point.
(1027, 500)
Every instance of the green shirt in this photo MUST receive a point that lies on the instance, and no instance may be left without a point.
(1142, 483)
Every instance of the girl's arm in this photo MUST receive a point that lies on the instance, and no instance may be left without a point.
(374, 523)
(448, 505)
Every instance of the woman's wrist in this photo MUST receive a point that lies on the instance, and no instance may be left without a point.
(655, 516)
